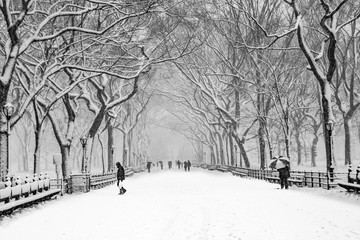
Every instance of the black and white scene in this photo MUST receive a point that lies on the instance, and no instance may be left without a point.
(180, 119)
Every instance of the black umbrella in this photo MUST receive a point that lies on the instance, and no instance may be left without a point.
(279, 162)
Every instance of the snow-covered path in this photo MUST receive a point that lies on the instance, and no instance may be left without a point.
(188, 205)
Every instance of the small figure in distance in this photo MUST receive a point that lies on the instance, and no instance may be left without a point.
(170, 164)
(188, 165)
(120, 178)
(185, 165)
(148, 166)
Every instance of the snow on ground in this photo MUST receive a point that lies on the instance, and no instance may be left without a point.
(173, 204)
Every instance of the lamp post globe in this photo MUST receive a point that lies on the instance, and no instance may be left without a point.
(8, 110)
(83, 141)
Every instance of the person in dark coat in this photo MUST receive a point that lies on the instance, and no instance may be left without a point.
(284, 174)
(170, 164)
(185, 166)
(120, 178)
(188, 165)
(148, 166)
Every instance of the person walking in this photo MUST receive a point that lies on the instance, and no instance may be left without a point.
(120, 178)
(188, 165)
(284, 174)
(185, 165)
(148, 166)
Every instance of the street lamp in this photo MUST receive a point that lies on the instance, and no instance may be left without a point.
(8, 110)
(235, 149)
(83, 141)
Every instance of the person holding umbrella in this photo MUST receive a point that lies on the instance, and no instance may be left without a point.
(282, 165)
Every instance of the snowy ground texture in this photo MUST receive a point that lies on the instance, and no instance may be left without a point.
(173, 204)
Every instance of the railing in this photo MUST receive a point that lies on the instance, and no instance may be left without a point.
(311, 179)
(102, 180)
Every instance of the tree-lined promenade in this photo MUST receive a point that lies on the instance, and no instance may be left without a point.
(280, 75)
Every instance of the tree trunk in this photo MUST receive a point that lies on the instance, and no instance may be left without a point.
(37, 151)
(102, 155)
(3, 142)
(212, 157)
(261, 134)
(124, 151)
(5, 81)
(287, 133)
(347, 125)
(314, 150)
(329, 124)
(244, 155)
(221, 145)
(65, 156)
(129, 157)
(231, 142)
(299, 147)
(110, 148)
(3, 154)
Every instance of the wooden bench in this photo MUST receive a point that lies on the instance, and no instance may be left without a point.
(24, 202)
(273, 177)
(102, 180)
(139, 169)
(223, 168)
(350, 186)
(240, 172)
(297, 179)
(204, 166)
(211, 167)
(129, 172)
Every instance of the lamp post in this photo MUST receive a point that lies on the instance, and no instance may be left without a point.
(83, 141)
(235, 158)
(8, 110)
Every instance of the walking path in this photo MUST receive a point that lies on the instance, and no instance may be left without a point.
(173, 204)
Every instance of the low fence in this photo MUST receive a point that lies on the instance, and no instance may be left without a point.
(86, 182)
(311, 179)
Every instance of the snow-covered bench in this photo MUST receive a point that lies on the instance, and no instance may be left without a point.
(211, 167)
(24, 202)
(350, 186)
(273, 177)
(102, 180)
(297, 179)
(129, 172)
(17, 193)
(241, 172)
(223, 168)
